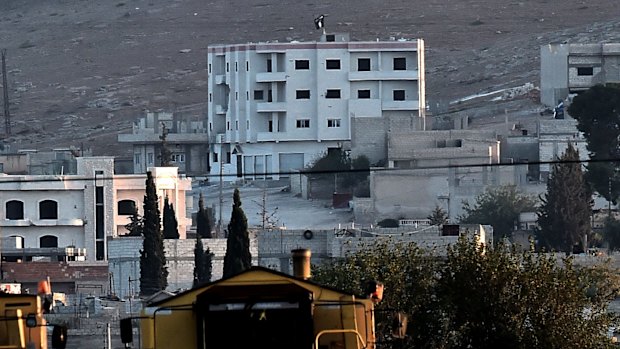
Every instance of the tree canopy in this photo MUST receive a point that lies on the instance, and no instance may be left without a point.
(597, 111)
(203, 264)
(438, 216)
(204, 226)
(153, 271)
(499, 207)
(480, 297)
(237, 258)
(566, 210)
(171, 225)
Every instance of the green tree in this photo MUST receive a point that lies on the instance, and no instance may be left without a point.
(203, 222)
(565, 214)
(165, 155)
(479, 297)
(597, 111)
(153, 271)
(135, 225)
(237, 258)
(171, 225)
(438, 216)
(611, 233)
(203, 264)
(499, 207)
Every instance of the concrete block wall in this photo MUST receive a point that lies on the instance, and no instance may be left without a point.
(368, 137)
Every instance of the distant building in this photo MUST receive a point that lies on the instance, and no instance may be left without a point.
(187, 140)
(71, 217)
(572, 68)
(274, 107)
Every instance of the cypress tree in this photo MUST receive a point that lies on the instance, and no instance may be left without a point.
(203, 223)
(134, 227)
(237, 258)
(202, 264)
(153, 271)
(171, 224)
(564, 216)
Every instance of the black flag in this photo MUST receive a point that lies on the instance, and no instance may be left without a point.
(318, 22)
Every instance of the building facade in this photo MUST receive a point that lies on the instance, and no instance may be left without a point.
(274, 107)
(571, 68)
(186, 137)
(71, 217)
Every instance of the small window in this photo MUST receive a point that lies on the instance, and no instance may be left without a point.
(136, 159)
(363, 94)
(247, 95)
(332, 64)
(227, 67)
(258, 95)
(178, 158)
(48, 209)
(400, 63)
(330, 37)
(363, 64)
(247, 65)
(332, 94)
(214, 157)
(237, 125)
(48, 241)
(236, 96)
(303, 123)
(126, 207)
(302, 64)
(333, 123)
(150, 157)
(236, 66)
(585, 71)
(247, 124)
(210, 126)
(302, 94)
(228, 125)
(269, 66)
(399, 95)
(209, 68)
(14, 210)
(228, 157)
(210, 97)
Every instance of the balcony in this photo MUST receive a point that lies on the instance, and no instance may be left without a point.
(383, 75)
(271, 77)
(220, 79)
(271, 107)
(400, 105)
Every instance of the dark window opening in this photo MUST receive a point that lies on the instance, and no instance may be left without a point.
(399, 95)
(269, 66)
(363, 64)
(258, 95)
(48, 209)
(126, 207)
(400, 63)
(332, 64)
(269, 96)
(303, 94)
(302, 64)
(332, 94)
(330, 37)
(100, 250)
(14, 210)
(228, 157)
(270, 127)
(585, 71)
(214, 157)
(363, 94)
(48, 241)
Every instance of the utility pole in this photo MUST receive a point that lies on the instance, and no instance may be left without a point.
(5, 88)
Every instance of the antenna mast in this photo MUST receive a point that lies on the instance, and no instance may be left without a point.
(5, 88)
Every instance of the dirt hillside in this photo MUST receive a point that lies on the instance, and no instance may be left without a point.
(80, 71)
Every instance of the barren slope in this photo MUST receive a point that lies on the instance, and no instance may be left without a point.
(82, 70)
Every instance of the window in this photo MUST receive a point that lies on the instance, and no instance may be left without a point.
(399, 95)
(270, 126)
(247, 124)
(303, 94)
(330, 37)
(210, 126)
(227, 125)
(214, 157)
(302, 64)
(210, 97)
(48, 241)
(303, 123)
(136, 159)
(126, 207)
(332, 94)
(258, 95)
(48, 209)
(228, 157)
(332, 64)
(363, 64)
(209, 68)
(237, 125)
(19, 241)
(150, 158)
(236, 66)
(247, 65)
(400, 63)
(227, 67)
(363, 94)
(14, 210)
(247, 95)
(236, 96)
(178, 158)
(585, 71)
(333, 122)
(269, 66)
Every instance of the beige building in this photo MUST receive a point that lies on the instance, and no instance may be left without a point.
(70, 217)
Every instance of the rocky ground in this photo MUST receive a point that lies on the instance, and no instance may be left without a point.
(80, 71)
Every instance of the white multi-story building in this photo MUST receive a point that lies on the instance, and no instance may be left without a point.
(274, 107)
(70, 217)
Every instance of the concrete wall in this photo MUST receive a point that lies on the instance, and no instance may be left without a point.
(553, 73)
(369, 138)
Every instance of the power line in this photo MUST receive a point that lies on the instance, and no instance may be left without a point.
(61, 178)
